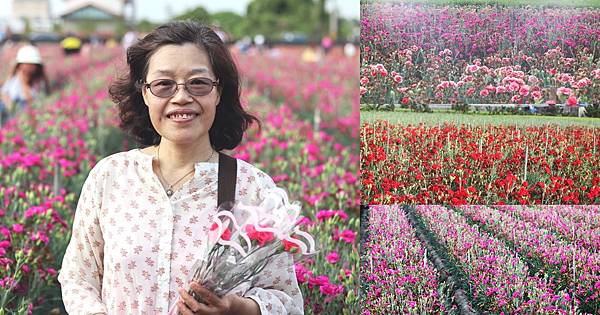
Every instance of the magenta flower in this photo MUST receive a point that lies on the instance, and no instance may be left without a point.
(333, 257)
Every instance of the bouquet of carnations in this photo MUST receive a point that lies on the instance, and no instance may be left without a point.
(243, 240)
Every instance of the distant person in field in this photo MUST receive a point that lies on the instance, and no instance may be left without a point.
(144, 214)
(26, 83)
(130, 38)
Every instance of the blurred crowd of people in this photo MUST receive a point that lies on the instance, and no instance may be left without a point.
(27, 79)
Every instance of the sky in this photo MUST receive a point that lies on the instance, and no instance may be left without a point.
(159, 10)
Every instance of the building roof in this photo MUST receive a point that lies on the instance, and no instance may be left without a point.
(92, 10)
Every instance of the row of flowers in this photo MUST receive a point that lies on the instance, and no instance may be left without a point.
(565, 263)
(396, 276)
(575, 224)
(466, 164)
(500, 281)
(403, 67)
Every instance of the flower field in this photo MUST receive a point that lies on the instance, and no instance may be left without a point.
(503, 258)
(485, 164)
(396, 276)
(307, 144)
(419, 54)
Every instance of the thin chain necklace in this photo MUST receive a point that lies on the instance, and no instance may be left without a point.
(169, 190)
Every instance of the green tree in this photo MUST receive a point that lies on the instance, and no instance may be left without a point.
(145, 26)
(232, 23)
(198, 14)
(274, 17)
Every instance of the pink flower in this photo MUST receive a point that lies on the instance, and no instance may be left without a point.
(348, 236)
(532, 79)
(364, 81)
(33, 211)
(572, 101)
(327, 214)
(302, 274)
(318, 280)
(363, 90)
(484, 93)
(4, 231)
(331, 289)
(524, 90)
(333, 257)
(472, 68)
(500, 89)
(583, 83)
(41, 237)
(536, 95)
(563, 90)
(398, 79)
(17, 228)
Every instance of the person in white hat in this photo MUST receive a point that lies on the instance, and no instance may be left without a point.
(27, 81)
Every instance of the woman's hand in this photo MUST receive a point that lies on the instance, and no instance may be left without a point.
(214, 305)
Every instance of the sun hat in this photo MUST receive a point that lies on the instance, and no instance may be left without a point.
(29, 54)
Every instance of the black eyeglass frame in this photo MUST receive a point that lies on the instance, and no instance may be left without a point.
(148, 85)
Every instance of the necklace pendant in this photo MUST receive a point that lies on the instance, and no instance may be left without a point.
(169, 192)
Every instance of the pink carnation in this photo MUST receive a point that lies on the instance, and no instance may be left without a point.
(333, 257)
(563, 90)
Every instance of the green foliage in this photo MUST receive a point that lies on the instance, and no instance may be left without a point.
(277, 16)
(232, 23)
(273, 18)
(145, 26)
(439, 117)
(198, 14)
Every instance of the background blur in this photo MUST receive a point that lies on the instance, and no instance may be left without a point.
(288, 21)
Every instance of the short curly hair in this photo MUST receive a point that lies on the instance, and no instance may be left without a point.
(231, 120)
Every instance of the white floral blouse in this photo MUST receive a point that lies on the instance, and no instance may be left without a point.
(132, 247)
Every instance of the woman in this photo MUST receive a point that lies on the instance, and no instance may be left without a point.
(27, 81)
(143, 214)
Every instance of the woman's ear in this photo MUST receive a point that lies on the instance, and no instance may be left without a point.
(144, 91)
(219, 91)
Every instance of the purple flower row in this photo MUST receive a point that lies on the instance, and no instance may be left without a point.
(580, 224)
(501, 283)
(575, 267)
(397, 277)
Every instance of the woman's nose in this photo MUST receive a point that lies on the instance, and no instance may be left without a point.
(181, 95)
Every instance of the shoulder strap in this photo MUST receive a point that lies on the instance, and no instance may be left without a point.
(227, 180)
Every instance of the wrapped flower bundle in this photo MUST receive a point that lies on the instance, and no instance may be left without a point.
(243, 240)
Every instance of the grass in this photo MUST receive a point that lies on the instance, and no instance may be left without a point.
(437, 117)
(568, 3)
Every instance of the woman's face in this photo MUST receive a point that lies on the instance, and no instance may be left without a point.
(28, 69)
(181, 118)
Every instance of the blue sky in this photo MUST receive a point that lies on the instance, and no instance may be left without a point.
(158, 10)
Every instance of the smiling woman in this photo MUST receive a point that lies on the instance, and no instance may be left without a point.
(144, 214)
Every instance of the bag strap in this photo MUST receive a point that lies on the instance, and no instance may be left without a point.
(226, 181)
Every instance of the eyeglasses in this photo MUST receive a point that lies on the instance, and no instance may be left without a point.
(195, 86)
